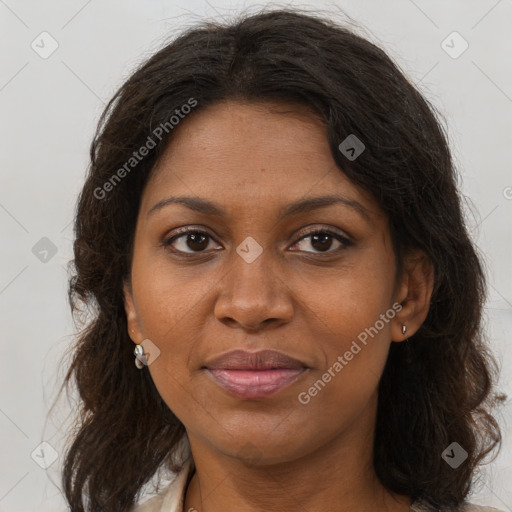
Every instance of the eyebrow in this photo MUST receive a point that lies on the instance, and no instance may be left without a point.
(301, 206)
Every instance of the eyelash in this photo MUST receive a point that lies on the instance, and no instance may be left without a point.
(184, 231)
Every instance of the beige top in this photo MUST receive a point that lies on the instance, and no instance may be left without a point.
(172, 497)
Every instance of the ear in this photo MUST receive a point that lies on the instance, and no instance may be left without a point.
(132, 317)
(413, 294)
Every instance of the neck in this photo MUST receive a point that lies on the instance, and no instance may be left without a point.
(336, 477)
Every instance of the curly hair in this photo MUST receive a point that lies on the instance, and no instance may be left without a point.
(436, 388)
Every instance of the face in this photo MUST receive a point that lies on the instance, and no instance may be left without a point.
(253, 273)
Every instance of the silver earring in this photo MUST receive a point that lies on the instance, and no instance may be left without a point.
(140, 358)
(404, 329)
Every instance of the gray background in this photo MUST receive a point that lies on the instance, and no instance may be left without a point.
(49, 110)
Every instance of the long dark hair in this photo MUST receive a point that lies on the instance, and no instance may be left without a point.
(435, 389)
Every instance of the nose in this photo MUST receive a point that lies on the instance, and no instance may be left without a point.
(254, 296)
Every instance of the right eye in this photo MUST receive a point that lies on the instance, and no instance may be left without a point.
(196, 241)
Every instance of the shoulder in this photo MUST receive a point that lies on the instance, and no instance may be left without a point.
(422, 506)
(171, 498)
(469, 507)
(154, 504)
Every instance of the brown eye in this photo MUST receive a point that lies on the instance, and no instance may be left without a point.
(190, 241)
(322, 241)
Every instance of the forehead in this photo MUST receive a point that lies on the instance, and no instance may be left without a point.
(251, 155)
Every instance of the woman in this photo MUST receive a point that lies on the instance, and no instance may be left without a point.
(271, 224)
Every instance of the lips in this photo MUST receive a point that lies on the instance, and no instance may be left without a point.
(254, 374)
(262, 360)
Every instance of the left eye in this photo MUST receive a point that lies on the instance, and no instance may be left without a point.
(322, 240)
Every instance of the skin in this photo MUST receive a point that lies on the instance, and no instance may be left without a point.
(304, 299)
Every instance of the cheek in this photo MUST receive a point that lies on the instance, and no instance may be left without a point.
(349, 303)
(171, 308)
(165, 298)
(353, 318)
(355, 350)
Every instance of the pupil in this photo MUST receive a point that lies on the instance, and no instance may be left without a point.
(322, 239)
(198, 239)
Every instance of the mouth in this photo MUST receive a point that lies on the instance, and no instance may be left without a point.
(251, 375)
(255, 383)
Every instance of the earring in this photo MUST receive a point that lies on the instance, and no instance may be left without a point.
(404, 329)
(140, 358)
